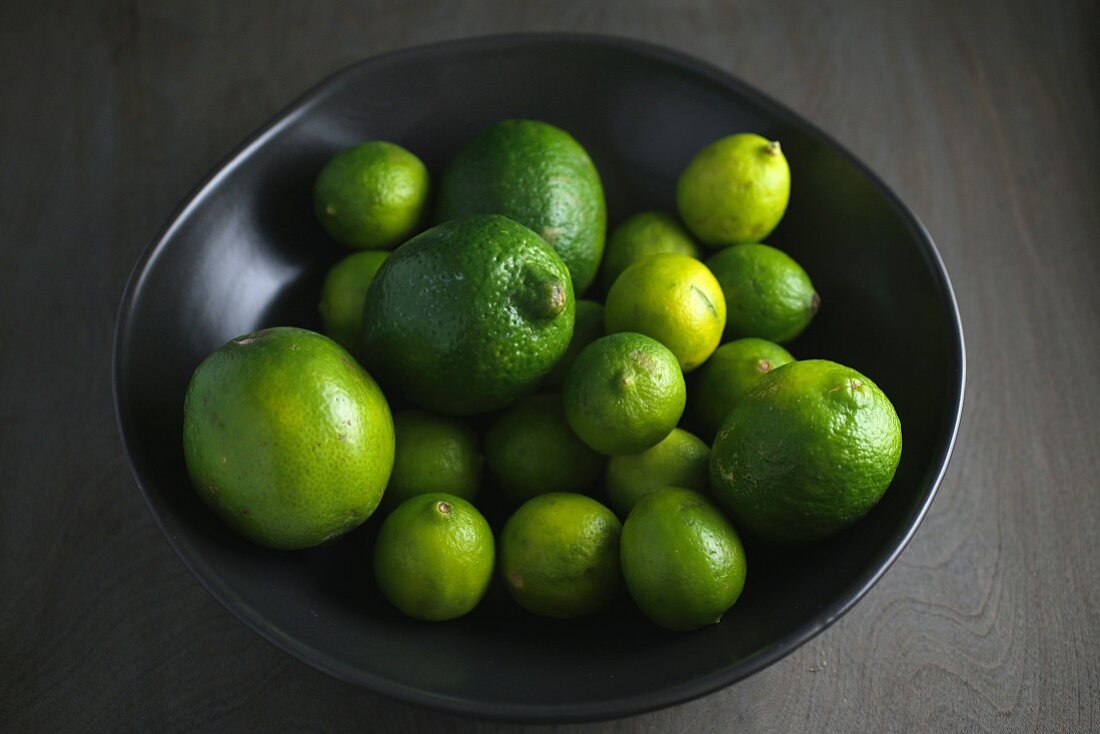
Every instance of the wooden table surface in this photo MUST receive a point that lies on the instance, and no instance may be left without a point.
(984, 118)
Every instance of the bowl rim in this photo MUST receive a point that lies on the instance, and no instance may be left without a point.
(558, 712)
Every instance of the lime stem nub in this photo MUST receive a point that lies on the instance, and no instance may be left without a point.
(772, 148)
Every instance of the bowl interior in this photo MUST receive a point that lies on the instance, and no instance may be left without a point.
(246, 252)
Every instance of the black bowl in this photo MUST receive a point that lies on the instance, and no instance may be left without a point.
(245, 252)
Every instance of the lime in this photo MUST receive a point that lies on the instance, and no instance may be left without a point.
(559, 555)
(734, 190)
(642, 235)
(434, 454)
(768, 294)
(682, 561)
(469, 316)
(286, 438)
(541, 177)
(624, 393)
(806, 452)
(674, 299)
(372, 196)
(680, 460)
(531, 451)
(587, 328)
(727, 375)
(343, 295)
(434, 557)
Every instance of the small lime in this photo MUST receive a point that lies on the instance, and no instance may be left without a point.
(434, 557)
(531, 450)
(768, 294)
(624, 393)
(640, 236)
(434, 453)
(343, 295)
(682, 561)
(680, 460)
(734, 190)
(727, 375)
(673, 298)
(559, 555)
(372, 196)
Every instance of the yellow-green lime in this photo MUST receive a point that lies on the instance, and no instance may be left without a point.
(531, 451)
(287, 438)
(682, 560)
(768, 294)
(673, 298)
(680, 460)
(559, 555)
(469, 316)
(642, 235)
(434, 557)
(728, 374)
(434, 453)
(624, 393)
(343, 295)
(371, 196)
(807, 451)
(734, 190)
(587, 328)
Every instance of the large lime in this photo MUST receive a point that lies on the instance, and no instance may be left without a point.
(538, 175)
(806, 452)
(286, 438)
(468, 316)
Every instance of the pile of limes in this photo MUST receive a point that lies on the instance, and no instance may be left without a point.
(514, 390)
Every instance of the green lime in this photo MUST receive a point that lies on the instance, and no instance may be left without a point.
(434, 454)
(624, 393)
(674, 299)
(768, 294)
(734, 190)
(682, 561)
(680, 460)
(806, 452)
(559, 555)
(644, 234)
(286, 438)
(469, 316)
(434, 557)
(372, 196)
(343, 295)
(541, 177)
(531, 451)
(727, 375)
(587, 328)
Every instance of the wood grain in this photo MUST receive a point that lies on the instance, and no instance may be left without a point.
(983, 116)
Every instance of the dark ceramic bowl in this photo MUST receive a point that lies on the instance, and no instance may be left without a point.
(245, 252)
